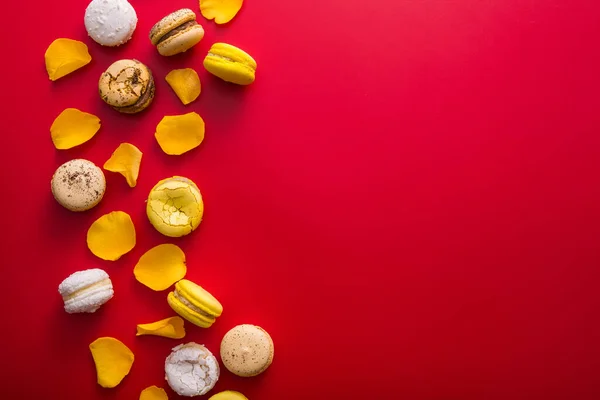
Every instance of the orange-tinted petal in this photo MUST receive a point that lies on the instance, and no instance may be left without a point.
(161, 266)
(125, 160)
(222, 11)
(111, 236)
(113, 361)
(72, 128)
(185, 83)
(64, 56)
(169, 327)
(180, 133)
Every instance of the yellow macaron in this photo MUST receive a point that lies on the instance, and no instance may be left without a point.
(194, 303)
(175, 207)
(176, 33)
(230, 64)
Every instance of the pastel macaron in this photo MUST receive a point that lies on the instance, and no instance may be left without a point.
(230, 64)
(247, 350)
(78, 185)
(110, 22)
(86, 291)
(127, 86)
(228, 395)
(194, 303)
(176, 33)
(191, 370)
(175, 206)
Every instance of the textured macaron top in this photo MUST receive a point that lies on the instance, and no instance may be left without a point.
(80, 280)
(124, 83)
(110, 22)
(247, 350)
(170, 22)
(191, 369)
(78, 184)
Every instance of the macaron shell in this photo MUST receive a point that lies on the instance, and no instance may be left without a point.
(199, 297)
(189, 314)
(182, 41)
(89, 300)
(228, 395)
(247, 350)
(233, 53)
(159, 216)
(124, 82)
(86, 291)
(170, 22)
(110, 22)
(78, 185)
(137, 106)
(81, 279)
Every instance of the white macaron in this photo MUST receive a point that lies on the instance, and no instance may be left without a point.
(191, 370)
(86, 291)
(110, 22)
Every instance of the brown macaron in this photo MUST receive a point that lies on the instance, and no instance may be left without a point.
(176, 33)
(247, 350)
(127, 86)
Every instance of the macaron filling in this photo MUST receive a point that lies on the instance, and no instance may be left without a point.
(144, 98)
(189, 305)
(89, 289)
(177, 30)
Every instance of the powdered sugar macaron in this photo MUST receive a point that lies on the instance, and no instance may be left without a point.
(110, 22)
(86, 291)
(191, 370)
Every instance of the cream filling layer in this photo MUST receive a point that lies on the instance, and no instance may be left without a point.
(190, 305)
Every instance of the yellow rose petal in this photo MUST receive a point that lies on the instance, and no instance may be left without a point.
(185, 83)
(64, 56)
(169, 327)
(113, 361)
(180, 133)
(72, 128)
(160, 267)
(125, 160)
(111, 236)
(222, 11)
(153, 393)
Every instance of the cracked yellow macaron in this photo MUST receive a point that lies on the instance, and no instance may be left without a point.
(175, 206)
(230, 64)
(194, 303)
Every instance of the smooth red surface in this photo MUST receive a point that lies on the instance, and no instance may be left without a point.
(407, 199)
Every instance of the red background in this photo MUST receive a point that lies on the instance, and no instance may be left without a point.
(406, 199)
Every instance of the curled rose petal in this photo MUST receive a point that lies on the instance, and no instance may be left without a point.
(125, 160)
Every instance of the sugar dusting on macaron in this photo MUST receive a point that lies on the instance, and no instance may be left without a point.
(110, 22)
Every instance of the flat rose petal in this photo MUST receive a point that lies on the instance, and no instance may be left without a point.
(180, 133)
(154, 393)
(72, 128)
(222, 11)
(64, 56)
(125, 160)
(185, 83)
(160, 267)
(113, 361)
(111, 236)
(169, 327)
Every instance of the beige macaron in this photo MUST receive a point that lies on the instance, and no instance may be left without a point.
(176, 33)
(247, 350)
(78, 185)
(127, 86)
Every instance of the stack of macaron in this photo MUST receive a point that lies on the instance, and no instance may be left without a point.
(128, 86)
